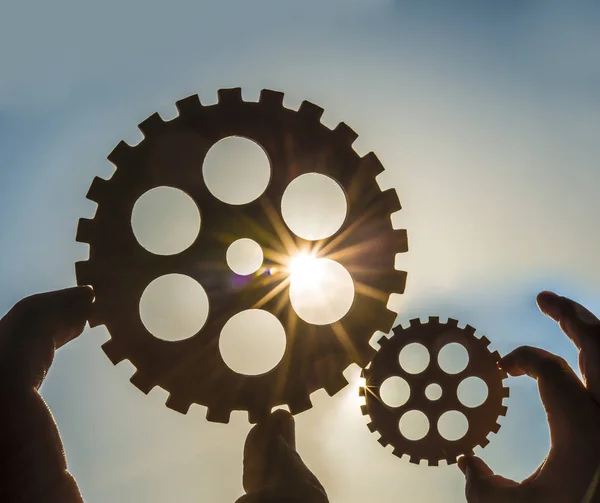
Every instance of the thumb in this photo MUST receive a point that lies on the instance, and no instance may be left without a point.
(272, 465)
(483, 486)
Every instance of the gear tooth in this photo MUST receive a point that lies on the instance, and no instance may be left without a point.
(94, 320)
(414, 460)
(112, 350)
(398, 452)
(371, 164)
(178, 404)
(83, 273)
(231, 96)
(496, 356)
(98, 189)
(469, 330)
(433, 462)
(451, 461)
(401, 236)
(505, 392)
(503, 410)
(257, 415)
(389, 200)
(382, 341)
(120, 155)
(386, 321)
(364, 409)
(271, 98)
(485, 341)
(434, 320)
(299, 404)
(452, 322)
(415, 322)
(217, 416)
(395, 281)
(189, 106)
(383, 442)
(310, 111)
(345, 133)
(152, 125)
(484, 442)
(371, 427)
(496, 427)
(85, 231)
(141, 382)
(362, 391)
(335, 383)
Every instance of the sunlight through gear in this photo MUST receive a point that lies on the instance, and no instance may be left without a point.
(292, 143)
(321, 290)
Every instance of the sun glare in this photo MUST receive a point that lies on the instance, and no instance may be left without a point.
(305, 270)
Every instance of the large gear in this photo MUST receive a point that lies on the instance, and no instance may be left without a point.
(482, 363)
(119, 269)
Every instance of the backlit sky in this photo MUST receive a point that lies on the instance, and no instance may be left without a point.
(485, 114)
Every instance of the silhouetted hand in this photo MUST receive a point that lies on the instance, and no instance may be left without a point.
(32, 463)
(273, 470)
(571, 472)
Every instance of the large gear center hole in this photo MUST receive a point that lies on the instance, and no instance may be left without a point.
(252, 342)
(236, 170)
(165, 221)
(314, 206)
(174, 307)
(321, 290)
(453, 425)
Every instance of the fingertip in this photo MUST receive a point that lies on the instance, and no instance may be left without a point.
(283, 423)
(550, 304)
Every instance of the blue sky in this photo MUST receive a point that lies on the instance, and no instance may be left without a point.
(485, 114)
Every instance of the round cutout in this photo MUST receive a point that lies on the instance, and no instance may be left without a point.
(236, 170)
(394, 391)
(433, 392)
(472, 392)
(165, 221)
(453, 425)
(321, 290)
(252, 342)
(244, 256)
(453, 358)
(414, 358)
(414, 425)
(314, 206)
(174, 307)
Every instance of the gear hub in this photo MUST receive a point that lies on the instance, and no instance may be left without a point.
(171, 154)
(482, 363)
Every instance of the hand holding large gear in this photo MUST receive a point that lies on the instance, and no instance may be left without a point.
(119, 269)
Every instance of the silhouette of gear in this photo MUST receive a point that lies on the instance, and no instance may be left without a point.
(119, 269)
(434, 336)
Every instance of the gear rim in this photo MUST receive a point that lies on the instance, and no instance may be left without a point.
(300, 137)
(482, 419)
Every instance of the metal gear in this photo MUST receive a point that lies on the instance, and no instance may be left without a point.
(171, 154)
(482, 363)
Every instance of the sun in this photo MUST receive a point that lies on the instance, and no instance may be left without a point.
(305, 270)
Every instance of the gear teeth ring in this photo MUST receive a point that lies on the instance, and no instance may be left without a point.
(434, 335)
(171, 154)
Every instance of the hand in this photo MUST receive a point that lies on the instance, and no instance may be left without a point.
(571, 472)
(273, 470)
(32, 462)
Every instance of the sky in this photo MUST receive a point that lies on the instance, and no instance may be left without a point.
(486, 116)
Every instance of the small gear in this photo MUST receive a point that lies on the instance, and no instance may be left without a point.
(482, 363)
(171, 154)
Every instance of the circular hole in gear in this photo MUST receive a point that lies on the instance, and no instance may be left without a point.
(236, 170)
(394, 391)
(314, 206)
(165, 221)
(453, 425)
(472, 392)
(244, 256)
(321, 290)
(414, 425)
(174, 307)
(252, 342)
(433, 392)
(414, 358)
(453, 358)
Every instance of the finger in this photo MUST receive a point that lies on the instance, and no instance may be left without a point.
(35, 327)
(583, 328)
(483, 486)
(563, 395)
(272, 465)
(268, 497)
